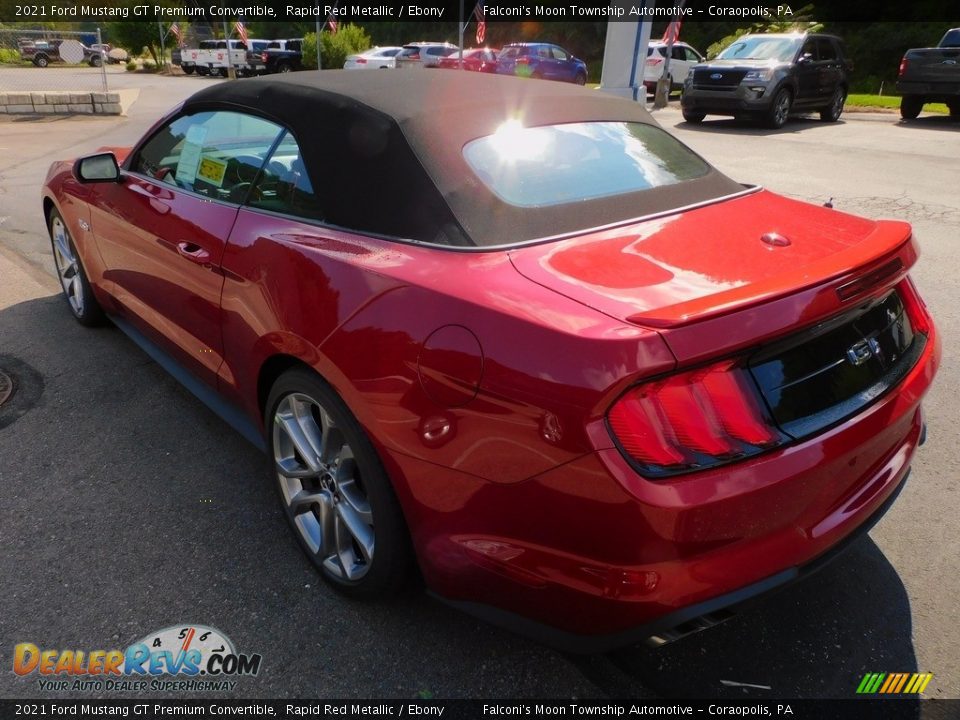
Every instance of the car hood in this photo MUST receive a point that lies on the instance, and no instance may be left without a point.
(688, 266)
(742, 64)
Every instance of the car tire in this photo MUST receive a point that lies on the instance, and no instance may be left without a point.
(73, 279)
(334, 490)
(41, 61)
(693, 117)
(910, 106)
(188, 69)
(954, 107)
(581, 79)
(284, 67)
(832, 112)
(96, 61)
(776, 116)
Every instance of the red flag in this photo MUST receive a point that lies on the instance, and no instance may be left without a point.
(672, 33)
(481, 23)
(242, 32)
(332, 24)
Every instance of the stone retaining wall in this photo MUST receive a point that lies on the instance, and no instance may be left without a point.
(60, 103)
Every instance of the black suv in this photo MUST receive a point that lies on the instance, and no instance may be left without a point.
(770, 76)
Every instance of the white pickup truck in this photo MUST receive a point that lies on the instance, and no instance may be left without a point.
(210, 58)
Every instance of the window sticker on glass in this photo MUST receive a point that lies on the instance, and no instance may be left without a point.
(212, 170)
(190, 155)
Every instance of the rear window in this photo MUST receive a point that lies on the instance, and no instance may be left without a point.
(512, 52)
(951, 39)
(560, 164)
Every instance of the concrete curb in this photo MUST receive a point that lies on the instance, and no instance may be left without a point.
(60, 103)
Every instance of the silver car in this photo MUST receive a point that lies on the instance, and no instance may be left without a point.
(423, 54)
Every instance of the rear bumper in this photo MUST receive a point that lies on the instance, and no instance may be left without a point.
(934, 91)
(680, 623)
(611, 558)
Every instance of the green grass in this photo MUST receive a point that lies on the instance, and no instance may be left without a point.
(889, 101)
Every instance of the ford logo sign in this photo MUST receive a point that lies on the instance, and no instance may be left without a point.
(716, 76)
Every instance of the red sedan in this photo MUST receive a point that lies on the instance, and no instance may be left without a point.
(474, 59)
(514, 333)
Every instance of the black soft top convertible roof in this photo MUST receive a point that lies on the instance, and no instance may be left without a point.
(384, 150)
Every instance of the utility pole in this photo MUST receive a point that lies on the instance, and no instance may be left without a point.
(231, 72)
(460, 43)
(319, 30)
(162, 38)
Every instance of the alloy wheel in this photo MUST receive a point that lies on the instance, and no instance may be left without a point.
(322, 488)
(68, 269)
(782, 109)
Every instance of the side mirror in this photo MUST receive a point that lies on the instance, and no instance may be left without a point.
(97, 168)
(805, 58)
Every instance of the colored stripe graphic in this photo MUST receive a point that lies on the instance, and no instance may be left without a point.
(894, 683)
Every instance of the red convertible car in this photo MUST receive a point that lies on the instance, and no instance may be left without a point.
(514, 333)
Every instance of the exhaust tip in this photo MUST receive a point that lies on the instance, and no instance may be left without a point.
(690, 627)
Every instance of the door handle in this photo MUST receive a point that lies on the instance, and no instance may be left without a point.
(194, 253)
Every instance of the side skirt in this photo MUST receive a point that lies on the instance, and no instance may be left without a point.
(229, 413)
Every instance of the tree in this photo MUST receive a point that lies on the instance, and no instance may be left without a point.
(135, 36)
(334, 47)
(798, 21)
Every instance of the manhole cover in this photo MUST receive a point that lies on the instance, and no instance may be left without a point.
(6, 387)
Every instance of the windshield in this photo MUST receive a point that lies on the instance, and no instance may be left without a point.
(760, 47)
(558, 164)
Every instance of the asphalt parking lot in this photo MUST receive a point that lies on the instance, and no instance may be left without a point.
(129, 507)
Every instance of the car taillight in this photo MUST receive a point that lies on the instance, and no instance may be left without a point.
(654, 61)
(524, 60)
(263, 57)
(915, 307)
(415, 56)
(361, 61)
(903, 67)
(693, 420)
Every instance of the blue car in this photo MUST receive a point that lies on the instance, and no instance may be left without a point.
(541, 60)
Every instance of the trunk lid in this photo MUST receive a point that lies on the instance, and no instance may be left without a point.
(933, 65)
(698, 267)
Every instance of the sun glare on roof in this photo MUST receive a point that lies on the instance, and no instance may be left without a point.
(513, 142)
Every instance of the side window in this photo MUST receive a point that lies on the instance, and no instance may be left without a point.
(284, 185)
(558, 54)
(678, 53)
(216, 154)
(543, 52)
(826, 49)
(809, 48)
(692, 56)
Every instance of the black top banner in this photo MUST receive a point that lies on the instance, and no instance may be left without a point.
(946, 11)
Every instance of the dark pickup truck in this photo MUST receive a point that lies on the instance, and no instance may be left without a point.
(931, 75)
(43, 52)
(283, 56)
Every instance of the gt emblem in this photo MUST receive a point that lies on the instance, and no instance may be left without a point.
(862, 351)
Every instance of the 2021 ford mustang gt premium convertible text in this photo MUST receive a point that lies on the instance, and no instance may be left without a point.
(514, 333)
